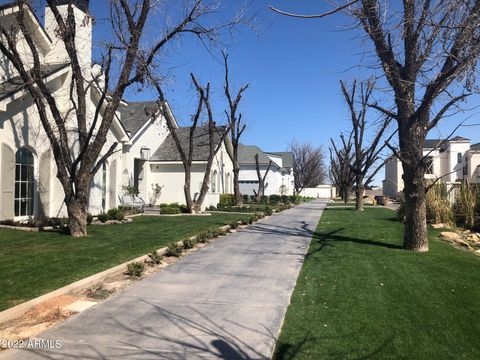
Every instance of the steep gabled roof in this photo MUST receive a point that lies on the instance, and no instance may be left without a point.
(287, 158)
(13, 85)
(136, 114)
(168, 150)
(246, 155)
(475, 146)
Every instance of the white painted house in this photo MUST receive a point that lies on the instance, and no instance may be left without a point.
(144, 157)
(280, 178)
(453, 161)
(28, 183)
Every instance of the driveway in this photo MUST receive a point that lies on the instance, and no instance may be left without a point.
(224, 301)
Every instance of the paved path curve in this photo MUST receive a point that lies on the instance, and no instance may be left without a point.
(226, 301)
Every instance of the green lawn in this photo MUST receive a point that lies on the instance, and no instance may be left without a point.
(32, 264)
(359, 295)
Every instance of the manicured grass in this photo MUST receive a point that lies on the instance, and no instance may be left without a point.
(359, 295)
(32, 264)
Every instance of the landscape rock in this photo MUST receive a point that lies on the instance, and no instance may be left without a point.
(439, 226)
(450, 235)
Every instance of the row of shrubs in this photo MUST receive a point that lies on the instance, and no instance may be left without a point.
(229, 199)
(464, 212)
(174, 208)
(37, 223)
(266, 209)
(112, 214)
(136, 268)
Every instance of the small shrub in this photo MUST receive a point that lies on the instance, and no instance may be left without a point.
(174, 250)
(264, 199)
(102, 217)
(285, 199)
(251, 220)
(212, 208)
(467, 203)
(268, 211)
(115, 214)
(89, 219)
(189, 243)
(155, 257)
(438, 206)
(98, 292)
(227, 200)
(202, 237)
(274, 199)
(245, 199)
(234, 225)
(135, 269)
(170, 209)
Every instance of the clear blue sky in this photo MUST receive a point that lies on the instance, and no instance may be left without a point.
(293, 68)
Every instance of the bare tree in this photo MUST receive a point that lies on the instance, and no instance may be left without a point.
(215, 136)
(308, 166)
(261, 179)
(428, 52)
(237, 127)
(341, 159)
(79, 150)
(366, 156)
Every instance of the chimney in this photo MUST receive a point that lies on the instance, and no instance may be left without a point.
(83, 35)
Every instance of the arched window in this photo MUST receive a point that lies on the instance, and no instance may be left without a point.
(227, 184)
(214, 181)
(24, 182)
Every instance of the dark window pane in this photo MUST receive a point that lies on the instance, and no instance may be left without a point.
(30, 173)
(17, 207)
(23, 208)
(29, 158)
(24, 172)
(17, 190)
(17, 172)
(23, 189)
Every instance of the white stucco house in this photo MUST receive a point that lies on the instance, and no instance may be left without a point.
(151, 157)
(280, 178)
(144, 155)
(28, 183)
(453, 161)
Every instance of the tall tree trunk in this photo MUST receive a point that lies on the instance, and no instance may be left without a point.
(77, 210)
(415, 231)
(236, 185)
(346, 195)
(188, 194)
(415, 236)
(359, 193)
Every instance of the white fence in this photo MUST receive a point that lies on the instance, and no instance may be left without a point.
(321, 191)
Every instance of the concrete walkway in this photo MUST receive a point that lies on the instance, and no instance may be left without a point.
(226, 301)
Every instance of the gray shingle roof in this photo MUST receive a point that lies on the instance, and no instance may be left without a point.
(246, 155)
(15, 84)
(441, 143)
(475, 146)
(136, 114)
(433, 143)
(287, 158)
(168, 150)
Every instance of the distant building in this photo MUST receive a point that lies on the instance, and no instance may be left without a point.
(451, 160)
(280, 178)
